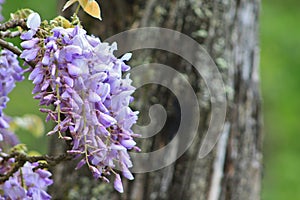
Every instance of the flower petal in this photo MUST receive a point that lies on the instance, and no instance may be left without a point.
(33, 21)
(118, 184)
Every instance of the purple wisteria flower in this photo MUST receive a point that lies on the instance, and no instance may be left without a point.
(26, 183)
(10, 72)
(33, 22)
(79, 75)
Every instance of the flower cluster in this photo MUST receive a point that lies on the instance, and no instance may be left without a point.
(80, 77)
(10, 72)
(26, 183)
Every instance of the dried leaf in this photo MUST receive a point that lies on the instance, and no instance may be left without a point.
(91, 7)
(68, 4)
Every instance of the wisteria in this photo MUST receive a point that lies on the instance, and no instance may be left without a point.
(26, 183)
(10, 72)
(79, 75)
(82, 87)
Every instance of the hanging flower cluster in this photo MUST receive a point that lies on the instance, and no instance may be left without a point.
(10, 72)
(25, 183)
(79, 76)
(81, 86)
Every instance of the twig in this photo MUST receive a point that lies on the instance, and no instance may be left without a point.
(13, 24)
(9, 34)
(10, 47)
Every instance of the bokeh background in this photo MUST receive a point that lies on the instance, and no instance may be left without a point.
(280, 78)
(280, 83)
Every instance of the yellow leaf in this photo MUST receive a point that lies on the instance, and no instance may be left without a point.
(83, 3)
(91, 7)
(68, 4)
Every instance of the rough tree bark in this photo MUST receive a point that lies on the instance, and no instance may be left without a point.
(228, 29)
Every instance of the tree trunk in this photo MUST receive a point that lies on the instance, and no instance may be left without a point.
(228, 30)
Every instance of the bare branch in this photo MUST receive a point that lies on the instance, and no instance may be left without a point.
(10, 47)
(13, 24)
(10, 34)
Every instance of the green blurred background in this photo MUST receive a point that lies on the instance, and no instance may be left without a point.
(280, 78)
